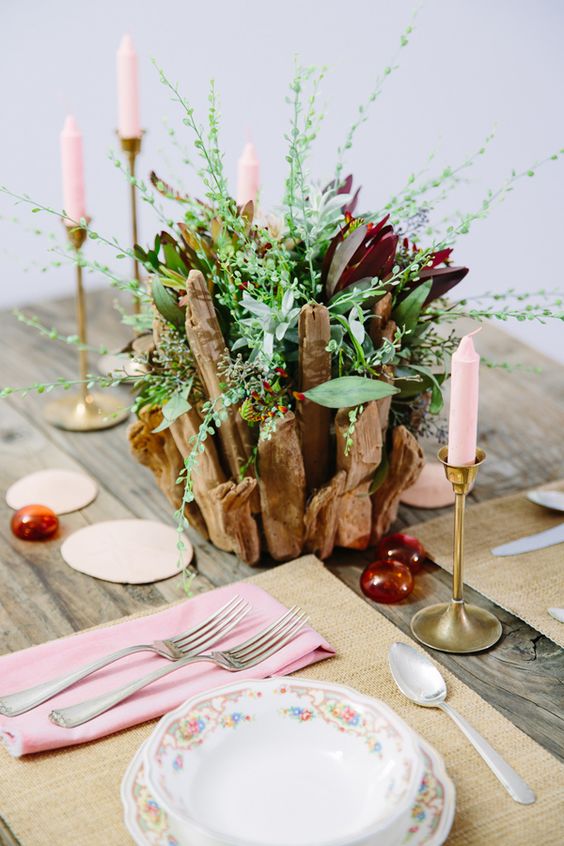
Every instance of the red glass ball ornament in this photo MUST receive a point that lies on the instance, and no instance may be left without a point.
(34, 522)
(387, 581)
(404, 548)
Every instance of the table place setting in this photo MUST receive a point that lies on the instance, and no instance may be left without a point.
(323, 731)
(59, 676)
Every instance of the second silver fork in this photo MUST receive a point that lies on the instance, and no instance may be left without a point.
(199, 637)
(244, 655)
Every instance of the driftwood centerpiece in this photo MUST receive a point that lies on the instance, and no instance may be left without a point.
(312, 488)
(286, 361)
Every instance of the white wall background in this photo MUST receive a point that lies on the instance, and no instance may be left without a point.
(472, 64)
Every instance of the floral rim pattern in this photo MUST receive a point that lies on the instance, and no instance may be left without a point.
(431, 814)
(226, 711)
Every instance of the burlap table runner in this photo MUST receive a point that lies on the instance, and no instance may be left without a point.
(526, 584)
(71, 797)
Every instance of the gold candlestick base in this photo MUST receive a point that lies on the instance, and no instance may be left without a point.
(76, 413)
(455, 626)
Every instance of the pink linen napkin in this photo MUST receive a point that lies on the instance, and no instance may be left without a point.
(34, 732)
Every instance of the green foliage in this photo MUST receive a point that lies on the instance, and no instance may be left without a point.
(381, 473)
(408, 311)
(349, 390)
(167, 305)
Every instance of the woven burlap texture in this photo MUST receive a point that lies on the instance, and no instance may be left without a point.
(71, 797)
(526, 584)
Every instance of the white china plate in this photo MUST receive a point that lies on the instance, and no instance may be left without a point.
(431, 818)
(223, 724)
(330, 765)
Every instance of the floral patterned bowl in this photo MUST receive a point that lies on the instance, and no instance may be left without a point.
(284, 762)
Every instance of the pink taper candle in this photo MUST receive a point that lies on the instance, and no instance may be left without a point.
(247, 175)
(463, 420)
(73, 170)
(128, 90)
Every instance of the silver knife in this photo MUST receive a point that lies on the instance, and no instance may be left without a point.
(532, 542)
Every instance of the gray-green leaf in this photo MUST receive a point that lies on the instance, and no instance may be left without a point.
(349, 390)
(174, 408)
(166, 304)
(408, 311)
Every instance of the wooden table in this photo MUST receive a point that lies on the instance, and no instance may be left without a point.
(521, 429)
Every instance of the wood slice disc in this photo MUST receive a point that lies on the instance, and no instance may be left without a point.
(126, 551)
(431, 490)
(62, 491)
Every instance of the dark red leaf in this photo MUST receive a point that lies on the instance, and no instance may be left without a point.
(328, 257)
(441, 257)
(377, 261)
(345, 187)
(444, 279)
(351, 205)
(343, 258)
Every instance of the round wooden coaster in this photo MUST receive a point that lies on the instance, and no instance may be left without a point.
(126, 551)
(60, 490)
(431, 490)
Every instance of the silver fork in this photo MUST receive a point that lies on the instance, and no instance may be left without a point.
(199, 637)
(247, 654)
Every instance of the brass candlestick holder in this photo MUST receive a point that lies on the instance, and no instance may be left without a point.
(83, 411)
(132, 148)
(455, 626)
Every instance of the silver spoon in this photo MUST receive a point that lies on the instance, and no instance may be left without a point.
(419, 679)
(548, 499)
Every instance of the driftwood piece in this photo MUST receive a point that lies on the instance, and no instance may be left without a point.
(382, 326)
(207, 474)
(208, 346)
(385, 403)
(406, 463)
(314, 368)
(158, 452)
(389, 330)
(381, 313)
(365, 452)
(238, 522)
(282, 488)
(321, 517)
(354, 518)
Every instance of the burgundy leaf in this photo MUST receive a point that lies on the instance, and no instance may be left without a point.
(441, 257)
(444, 279)
(373, 234)
(345, 187)
(372, 237)
(351, 205)
(342, 258)
(328, 257)
(377, 261)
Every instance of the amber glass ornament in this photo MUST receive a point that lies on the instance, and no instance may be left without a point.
(404, 548)
(34, 522)
(387, 581)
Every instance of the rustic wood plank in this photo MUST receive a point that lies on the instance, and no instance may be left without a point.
(521, 423)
